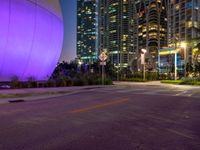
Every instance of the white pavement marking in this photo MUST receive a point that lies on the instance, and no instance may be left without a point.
(181, 93)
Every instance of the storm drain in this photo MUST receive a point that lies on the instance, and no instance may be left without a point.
(16, 101)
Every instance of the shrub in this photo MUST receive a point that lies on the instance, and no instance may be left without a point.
(51, 83)
(31, 82)
(182, 82)
(79, 82)
(15, 83)
(134, 80)
(152, 76)
(171, 81)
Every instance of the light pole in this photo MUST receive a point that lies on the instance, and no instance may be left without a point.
(175, 59)
(184, 45)
(143, 61)
(103, 57)
(175, 65)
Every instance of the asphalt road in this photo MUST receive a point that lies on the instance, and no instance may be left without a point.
(123, 117)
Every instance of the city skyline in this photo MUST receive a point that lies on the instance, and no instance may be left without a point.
(69, 44)
(125, 27)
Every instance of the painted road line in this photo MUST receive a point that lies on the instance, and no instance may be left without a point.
(180, 134)
(99, 106)
(181, 93)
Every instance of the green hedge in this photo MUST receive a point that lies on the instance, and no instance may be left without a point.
(134, 80)
(138, 77)
(171, 81)
(62, 81)
(181, 82)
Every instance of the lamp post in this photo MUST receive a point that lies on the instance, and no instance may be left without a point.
(175, 59)
(175, 65)
(103, 57)
(143, 61)
(184, 45)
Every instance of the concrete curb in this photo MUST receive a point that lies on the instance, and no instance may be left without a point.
(156, 83)
(68, 90)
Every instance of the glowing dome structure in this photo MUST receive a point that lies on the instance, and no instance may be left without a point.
(31, 38)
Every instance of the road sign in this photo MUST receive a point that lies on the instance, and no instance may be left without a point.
(103, 56)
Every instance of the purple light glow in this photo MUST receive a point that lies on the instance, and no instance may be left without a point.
(31, 38)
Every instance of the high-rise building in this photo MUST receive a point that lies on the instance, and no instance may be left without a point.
(87, 30)
(124, 27)
(151, 28)
(183, 23)
(183, 20)
(116, 30)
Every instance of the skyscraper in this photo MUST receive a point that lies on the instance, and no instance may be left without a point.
(183, 20)
(151, 28)
(116, 30)
(87, 30)
(183, 23)
(124, 27)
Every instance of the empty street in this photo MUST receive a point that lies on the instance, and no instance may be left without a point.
(119, 117)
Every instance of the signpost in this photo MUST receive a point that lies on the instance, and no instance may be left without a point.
(103, 57)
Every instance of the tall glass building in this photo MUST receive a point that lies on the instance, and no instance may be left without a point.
(183, 23)
(87, 30)
(183, 20)
(151, 28)
(116, 30)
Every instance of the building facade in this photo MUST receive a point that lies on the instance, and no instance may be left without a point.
(116, 30)
(127, 26)
(87, 30)
(151, 26)
(183, 20)
(183, 25)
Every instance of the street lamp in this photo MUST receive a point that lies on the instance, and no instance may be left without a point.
(143, 61)
(184, 45)
(175, 65)
(103, 57)
(175, 58)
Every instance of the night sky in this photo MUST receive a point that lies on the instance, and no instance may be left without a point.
(69, 45)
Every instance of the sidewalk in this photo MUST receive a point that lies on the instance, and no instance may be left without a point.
(156, 83)
(7, 95)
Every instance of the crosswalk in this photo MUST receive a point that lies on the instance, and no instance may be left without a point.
(153, 91)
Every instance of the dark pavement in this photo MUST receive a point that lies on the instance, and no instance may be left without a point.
(122, 117)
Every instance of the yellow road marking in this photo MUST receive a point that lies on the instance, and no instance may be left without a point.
(99, 106)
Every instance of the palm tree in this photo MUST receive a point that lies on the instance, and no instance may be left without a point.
(196, 55)
(196, 52)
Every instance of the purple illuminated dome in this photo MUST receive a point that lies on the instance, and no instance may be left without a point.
(31, 38)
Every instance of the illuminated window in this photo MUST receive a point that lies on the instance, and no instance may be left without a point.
(144, 29)
(177, 6)
(113, 19)
(189, 24)
(153, 5)
(125, 37)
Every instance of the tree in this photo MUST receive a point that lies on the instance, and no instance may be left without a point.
(189, 68)
(196, 52)
(197, 69)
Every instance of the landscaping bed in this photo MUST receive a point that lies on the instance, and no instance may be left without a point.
(181, 82)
